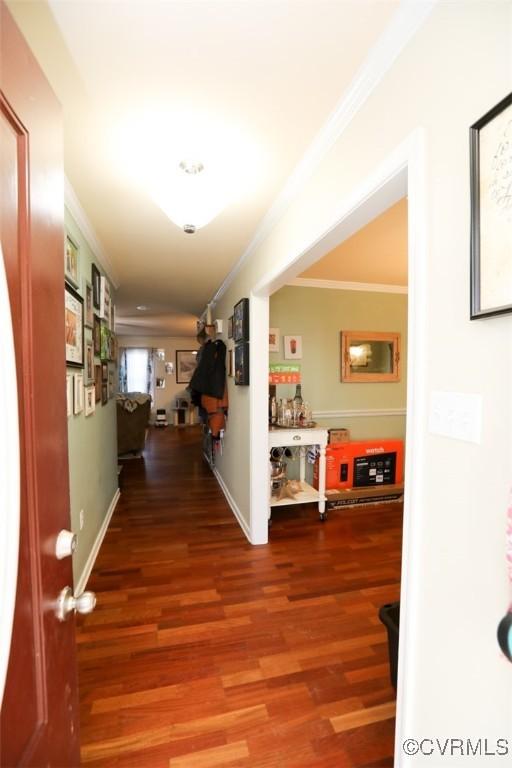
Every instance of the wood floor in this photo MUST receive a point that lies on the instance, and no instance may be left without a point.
(205, 651)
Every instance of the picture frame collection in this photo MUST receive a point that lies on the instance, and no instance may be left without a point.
(90, 338)
(238, 325)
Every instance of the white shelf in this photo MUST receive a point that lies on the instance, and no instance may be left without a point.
(306, 496)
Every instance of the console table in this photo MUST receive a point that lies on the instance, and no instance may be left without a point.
(279, 437)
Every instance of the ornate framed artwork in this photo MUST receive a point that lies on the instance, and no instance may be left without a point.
(74, 326)
(241, 320)
(491, 211)
(71, 262)
(97, 382)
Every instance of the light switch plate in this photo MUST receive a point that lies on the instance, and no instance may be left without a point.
(457, 415)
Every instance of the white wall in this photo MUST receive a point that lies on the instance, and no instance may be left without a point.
(457, 67)
(164, 398)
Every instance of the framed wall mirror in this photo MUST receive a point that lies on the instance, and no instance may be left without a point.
(370, 356)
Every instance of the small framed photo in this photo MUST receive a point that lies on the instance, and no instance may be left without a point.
(90, 399)
(97, 382)
(78, 399)
(105, 300)
(89, 362)
(71, 262)
(185, 365)
(104, 373)
(96, 336)
(69, 393)
(241, 321)
(231, 368)
(96, 286)
(273, 339)
(111, 384)
(74, 325)
(242, 363)
(104, 393)
(105, 351)
(293, 347)
(112, 316)
(491, 211)
(89, 311)
(230, 327)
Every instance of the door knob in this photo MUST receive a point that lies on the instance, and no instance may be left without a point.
(65, 544)
(67, 603)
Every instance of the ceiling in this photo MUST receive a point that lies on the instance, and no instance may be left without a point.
(245, 85)
(377, 253)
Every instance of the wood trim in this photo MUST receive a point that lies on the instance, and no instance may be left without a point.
(349, 376)
(360, 413)
(233, 505)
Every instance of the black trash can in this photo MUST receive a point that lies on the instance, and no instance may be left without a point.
(389, 614)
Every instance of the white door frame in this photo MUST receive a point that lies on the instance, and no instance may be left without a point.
(407, 163)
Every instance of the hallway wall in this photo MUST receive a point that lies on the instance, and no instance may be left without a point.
(92, 444)
(455, 69)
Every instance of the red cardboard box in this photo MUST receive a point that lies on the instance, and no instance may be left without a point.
(361, 464)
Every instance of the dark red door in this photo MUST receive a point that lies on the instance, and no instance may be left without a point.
(39, 718)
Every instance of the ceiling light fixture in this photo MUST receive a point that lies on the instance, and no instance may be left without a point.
(142, 307)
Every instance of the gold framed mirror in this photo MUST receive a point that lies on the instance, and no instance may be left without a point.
(370, 356)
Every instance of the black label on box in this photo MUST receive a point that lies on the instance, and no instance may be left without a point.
(378, 469)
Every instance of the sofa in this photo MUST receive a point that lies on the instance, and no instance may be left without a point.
(133, 411)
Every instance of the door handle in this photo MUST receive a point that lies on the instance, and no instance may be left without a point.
(67, 603)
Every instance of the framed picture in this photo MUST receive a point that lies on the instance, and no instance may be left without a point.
(241, 320)
(90, 400)
(111, 388)
(185, 365)
(105, 300)
(104, 393)
(89, 312)
(96, 286)
(104, 373)
(273, 339)
(112, 316)
(491, 212)
(89, 362)
(69, 393)
(97, 382)
(96, 336)
(74, 324)
(105, 350)
(231, 370)
(292, 347)
(71, 262)
(242, 363)
(230, 327)
(78, 399)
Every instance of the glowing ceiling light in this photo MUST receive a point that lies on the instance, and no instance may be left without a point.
(220, 164)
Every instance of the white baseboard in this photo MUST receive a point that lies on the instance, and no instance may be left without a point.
(232, 503)
(84, 578)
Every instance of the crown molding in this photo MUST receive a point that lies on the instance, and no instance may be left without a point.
(403, 26)
(75, 208)
(342, 285)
